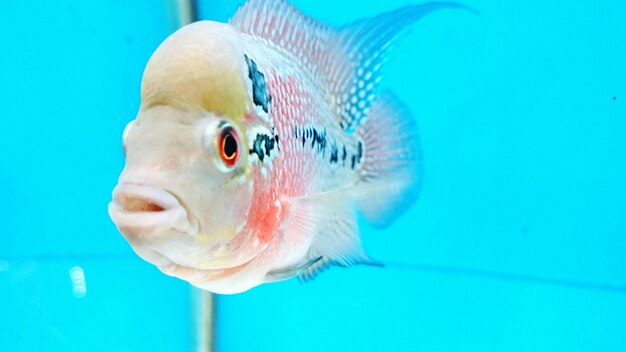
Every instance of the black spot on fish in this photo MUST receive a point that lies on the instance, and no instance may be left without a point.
(359, 153)
(343, 155)
(353, 160)
(333, 153)
(263, 145)
(269, 145)
(317, 138)
(321, 142)
(314, 139)
(260, 94)
(257, 147)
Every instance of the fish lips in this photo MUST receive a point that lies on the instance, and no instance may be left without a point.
(139, 210)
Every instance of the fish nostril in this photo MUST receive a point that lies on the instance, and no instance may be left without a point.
(137, 204)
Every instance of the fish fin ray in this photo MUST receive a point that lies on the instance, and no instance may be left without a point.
(280, 23)
(391, 174)
(364, 45)
(347, 59)
(329, 221)
(314, 270)
(295, 270)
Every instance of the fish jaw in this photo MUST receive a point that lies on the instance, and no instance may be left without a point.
(162, 232)
(228, 281)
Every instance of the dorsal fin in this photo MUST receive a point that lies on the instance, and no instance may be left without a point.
(348, 60)
(282, 24)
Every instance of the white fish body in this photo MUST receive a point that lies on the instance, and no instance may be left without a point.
(258, 141)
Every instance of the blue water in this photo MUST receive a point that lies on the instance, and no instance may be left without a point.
(517, 242)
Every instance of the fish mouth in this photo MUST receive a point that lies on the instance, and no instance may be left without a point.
(145, 208)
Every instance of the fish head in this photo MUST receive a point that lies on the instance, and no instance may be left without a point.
(184, 196)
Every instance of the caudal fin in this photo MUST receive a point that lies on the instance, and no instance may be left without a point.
(391, 175)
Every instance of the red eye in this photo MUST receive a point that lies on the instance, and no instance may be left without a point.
(229, 146)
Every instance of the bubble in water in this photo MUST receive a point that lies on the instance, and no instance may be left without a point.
(79, 285)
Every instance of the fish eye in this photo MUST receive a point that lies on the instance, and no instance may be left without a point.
(229, 146)
(222, 140)
(127, 129)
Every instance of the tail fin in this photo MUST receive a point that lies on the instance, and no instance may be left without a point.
(391, 175)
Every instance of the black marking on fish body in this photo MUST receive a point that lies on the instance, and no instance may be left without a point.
(350, 155)
(322, 143)
(321, 139)
(314, 138)
(257, 147)
(263, 145)
(260, 94)
(333, 153)
(318, 138)
(269, 144)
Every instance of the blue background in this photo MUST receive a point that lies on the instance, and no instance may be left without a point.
(517, 243)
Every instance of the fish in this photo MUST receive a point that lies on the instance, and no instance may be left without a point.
(259, 142)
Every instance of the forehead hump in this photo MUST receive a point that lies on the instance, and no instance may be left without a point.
(200, 65)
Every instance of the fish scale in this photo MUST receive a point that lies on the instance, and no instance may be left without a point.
(297, 111)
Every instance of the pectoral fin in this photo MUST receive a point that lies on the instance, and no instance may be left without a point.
(328, 220)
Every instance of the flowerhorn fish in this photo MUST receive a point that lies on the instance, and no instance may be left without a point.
(258, 142)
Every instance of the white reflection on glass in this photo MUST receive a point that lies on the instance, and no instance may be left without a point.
(79, 285)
